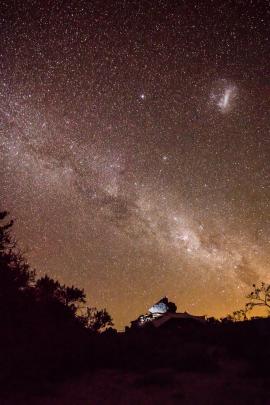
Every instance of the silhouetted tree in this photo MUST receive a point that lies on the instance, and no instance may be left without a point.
(5, 239)
(97, 320)
(42, 330)
(15, 273)
(212, 320)
(47, 289)
(240, 315)
(227, 319)
(172, 307)
(260, 296)
(73, 297)
(17, 285)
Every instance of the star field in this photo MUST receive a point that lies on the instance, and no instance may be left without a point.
(135, 147)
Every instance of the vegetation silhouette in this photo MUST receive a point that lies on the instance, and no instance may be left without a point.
(49, 334)
(259, 296)
(44, 325)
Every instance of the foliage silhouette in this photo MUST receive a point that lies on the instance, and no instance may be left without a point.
(48, 333)
(16, 277)
(43, 332)
(15, 273)
(172, 307)
(240, 315)
(97, 320)
(49, 290)
(259, 296)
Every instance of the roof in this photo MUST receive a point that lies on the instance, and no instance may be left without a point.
(180, 315)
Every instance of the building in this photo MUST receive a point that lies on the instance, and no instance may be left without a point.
(163, 314)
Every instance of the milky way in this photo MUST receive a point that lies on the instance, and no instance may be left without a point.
(135, 148)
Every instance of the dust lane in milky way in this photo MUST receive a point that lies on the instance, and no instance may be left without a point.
(135, 148)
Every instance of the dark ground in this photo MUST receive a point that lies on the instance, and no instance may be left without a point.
(210, 364)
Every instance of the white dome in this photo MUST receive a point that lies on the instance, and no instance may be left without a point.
(159, 308)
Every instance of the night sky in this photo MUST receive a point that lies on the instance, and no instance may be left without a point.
(135, 148)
